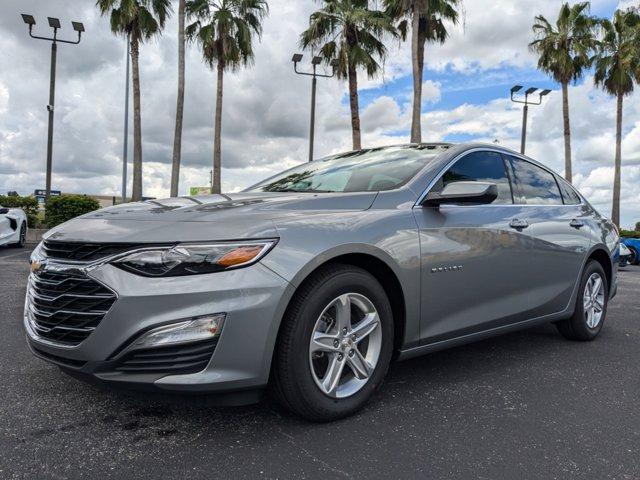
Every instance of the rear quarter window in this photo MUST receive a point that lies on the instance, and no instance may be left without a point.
(569, 195)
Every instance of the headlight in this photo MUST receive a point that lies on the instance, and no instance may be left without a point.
(194, 259)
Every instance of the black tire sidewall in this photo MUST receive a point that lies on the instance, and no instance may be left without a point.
(349, 280)
(633, 260)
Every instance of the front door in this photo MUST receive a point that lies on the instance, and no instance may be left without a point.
(474, 263)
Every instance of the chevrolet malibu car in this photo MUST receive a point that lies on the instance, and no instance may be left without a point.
(13, 227)
(312, 281)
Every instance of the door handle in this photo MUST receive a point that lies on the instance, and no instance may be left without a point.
(518, 224)
(575, 223)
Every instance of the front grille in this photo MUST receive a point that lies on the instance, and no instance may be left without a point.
(85, 252)
(191, 358)
(65, 307)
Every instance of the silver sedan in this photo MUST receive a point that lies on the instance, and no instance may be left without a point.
(312, 281)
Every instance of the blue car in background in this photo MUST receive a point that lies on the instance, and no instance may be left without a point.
(633, 244)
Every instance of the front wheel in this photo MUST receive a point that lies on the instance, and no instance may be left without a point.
(591, 305)
(633, 258)
(335, 344)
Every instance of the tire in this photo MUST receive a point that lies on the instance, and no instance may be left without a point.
(23, 237)
(633, 259)
(580, 326)
(297, 368)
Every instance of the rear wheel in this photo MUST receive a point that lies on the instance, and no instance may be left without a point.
(22, 239)
(591, 305)
(335, 344)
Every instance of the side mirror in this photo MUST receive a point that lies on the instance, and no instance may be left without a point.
(3, 210)
(479, 193)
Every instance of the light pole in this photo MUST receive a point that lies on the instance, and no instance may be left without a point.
(525, 111)
(55, 24)
(315, 61)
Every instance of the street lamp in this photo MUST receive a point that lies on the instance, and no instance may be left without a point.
(315, 61)
(525, 113)
(55, 24)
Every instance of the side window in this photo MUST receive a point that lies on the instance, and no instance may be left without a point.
(569, 195)
(480, 167)
(536, 186)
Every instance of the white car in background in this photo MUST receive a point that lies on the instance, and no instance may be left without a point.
(13, 227)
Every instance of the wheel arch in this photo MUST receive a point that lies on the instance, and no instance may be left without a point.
(374, 262)
(601, 255)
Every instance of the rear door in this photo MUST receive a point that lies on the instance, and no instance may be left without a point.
(558, 224)
(473, 263)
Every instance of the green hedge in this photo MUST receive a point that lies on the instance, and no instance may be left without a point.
(28, 204)
(629, 234)
(65, 207)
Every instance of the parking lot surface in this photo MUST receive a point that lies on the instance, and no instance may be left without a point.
(524, 405)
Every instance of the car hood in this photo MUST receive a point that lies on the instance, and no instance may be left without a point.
(206, 218)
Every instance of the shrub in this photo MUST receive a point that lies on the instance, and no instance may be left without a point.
(65, 207)
(28, 204)
(629, 234)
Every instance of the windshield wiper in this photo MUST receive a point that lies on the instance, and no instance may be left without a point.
(293, 190)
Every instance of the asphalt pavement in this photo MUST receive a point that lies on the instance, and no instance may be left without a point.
(527, 405)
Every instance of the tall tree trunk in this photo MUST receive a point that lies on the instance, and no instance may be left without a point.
(615, 212)
(567, 132)
(355, 109)
(177, 138)
(136, 191)
(217, 140)
(417, 60)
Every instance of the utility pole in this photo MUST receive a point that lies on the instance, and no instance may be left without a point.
(525, 111)
(315, 61)
(55, 24)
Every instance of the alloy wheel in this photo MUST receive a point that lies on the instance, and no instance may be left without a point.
(593, 300)
(345, 345)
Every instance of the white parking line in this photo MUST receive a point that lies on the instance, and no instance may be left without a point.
(12, 256)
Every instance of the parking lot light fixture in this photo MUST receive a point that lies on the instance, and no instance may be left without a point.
(56, 25)
(315, 61)
(525, 111)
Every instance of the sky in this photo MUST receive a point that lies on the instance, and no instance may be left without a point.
(266, 107)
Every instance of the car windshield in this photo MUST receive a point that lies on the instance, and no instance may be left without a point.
(370, 170)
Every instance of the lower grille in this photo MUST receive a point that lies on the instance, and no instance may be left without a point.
(65, 307)
(191, 358)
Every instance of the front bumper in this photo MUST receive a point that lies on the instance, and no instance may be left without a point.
(252, 298)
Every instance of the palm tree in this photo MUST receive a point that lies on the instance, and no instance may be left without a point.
(177, 138)
(347, 30)
(617, 67)
(140, 20)
(564, 50)
(224, 29)
(427, 19)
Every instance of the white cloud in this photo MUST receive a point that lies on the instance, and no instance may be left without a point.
(431, 92)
